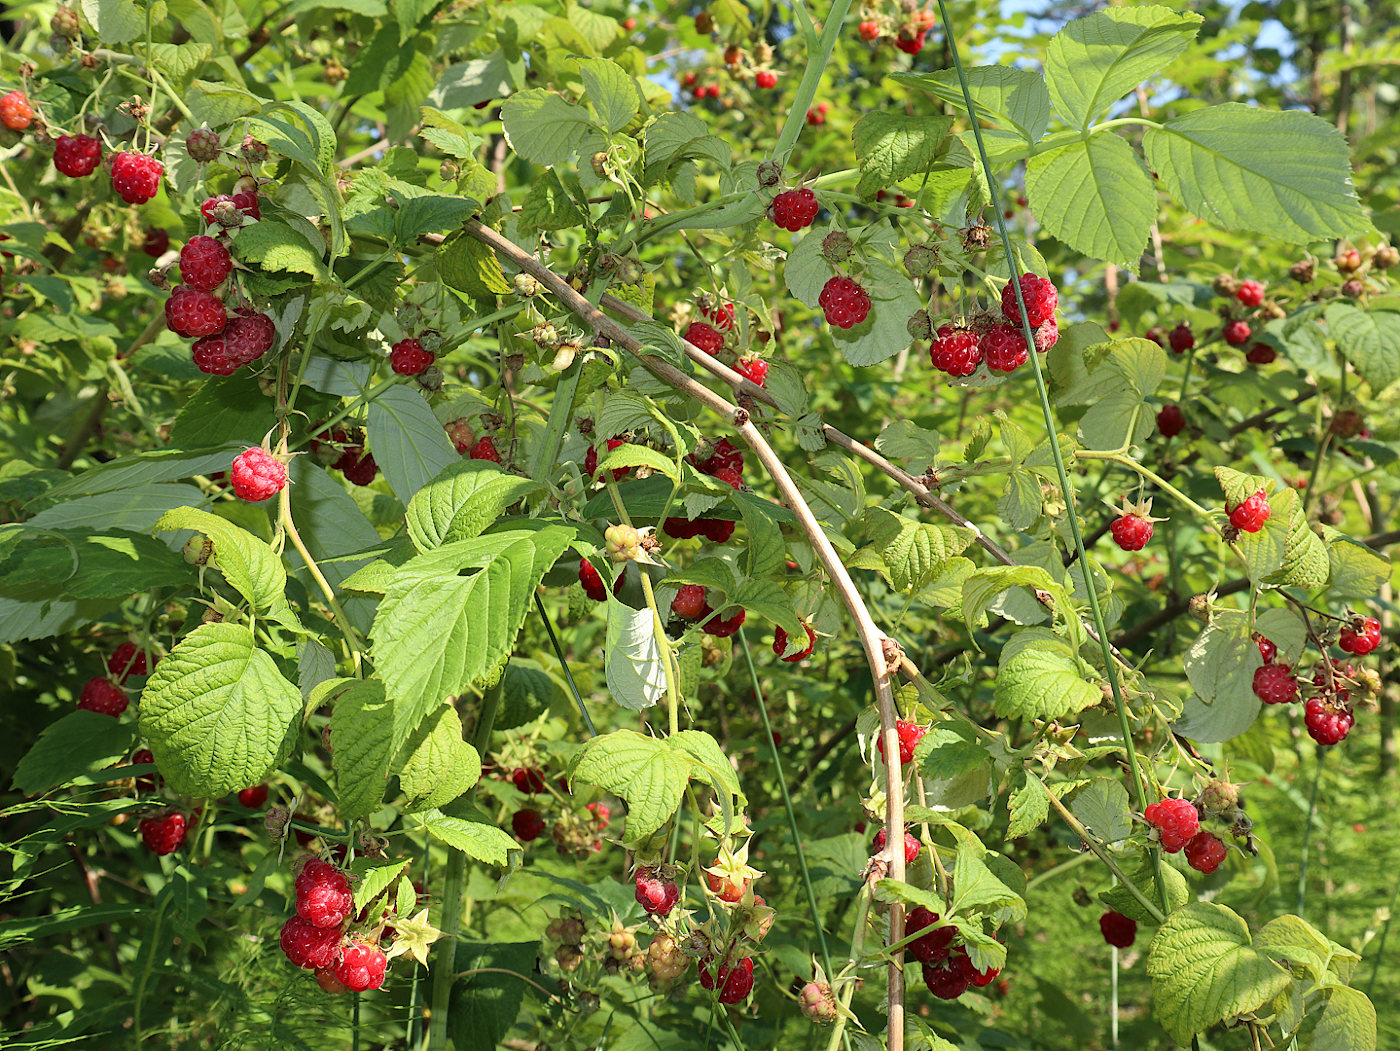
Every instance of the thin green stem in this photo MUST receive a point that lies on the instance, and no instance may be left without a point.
(352, 637)
(787, 804)
(811, 78)
(564, 663)
(1051, 873)
(1152, 476)
(1092, 842)
(1307, 831)
(847, 990)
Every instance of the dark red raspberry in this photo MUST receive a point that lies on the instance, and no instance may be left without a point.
(963, 962)
(780, 645)
(324, 897)
(1175, 820)
(1347, 423)
(1361, 636)
(103, 696)
(1118, 930)
(1131, 532)
(127, 660)
(910, 734)
(142, 757)
(527, 825)
(590, 459)
(77, 156)
(408, 358)
(136, 177)
(205, 263)
(655, 893)
(794, 209)
(909, 41)
(1275, 684)
(1181, 338)
(485, 449)
(163, 833)
(1337, 690)
(1261, 354)
(722, 628)
(720, 315)
(212, 357)
(361, 967)
(529, 780)
(734, 983)
(249, 335)
(309, 946)
(1041, 299)
(844, 302)
(911, 845)
(358, 467)
(932, 947)
(946, 980)
(755, 370)
(1205, 853)
(326, 979)
(724, 455)
(1236, 333)
(1250, 293)
(460, 433)
(689, 603)
(729, 477)
(15, 111)
(684, 528)
(253, 797)
(1047, 335)
(1267, 649)
(257, 475)
(1250, 515)
(1327, 721)
(203, 145)
(1170, 421)
(156, 242)
(593, 585)
(1003, 348)
(703, 336)
(718, 531)
(192, 313)
(955, 351)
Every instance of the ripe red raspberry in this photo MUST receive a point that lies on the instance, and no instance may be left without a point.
(103, 696)
(15, 111)
(1170, 421)
(1347, 423)
(734, 983)
(1181, 338)
(326, 979)
(408, 358)
(136, 177)
(309, 946)
(1118, 930)
(249, 335)
(485, 449)
(704, 337)
(720, 315)
(230, 210)
(460, 433)
(324, 897)
(911, 43)
(156, 242)
(192, 313)
(592, 583)
(1261, 354)
(910, 734)
(1003, 348)
(869, 31)
(946, 980)
(956, 351)
(76, 156)
(911, 845)
(141, 757)
(257, 475)
(780, 645)
(755, 370)
(590, 460)
(1250, 515)
(932, 947)
(794, 209)
(729, 477)
(718, 531)
(1041, 299)
(963, 961)
(1250, 293)
(203, 145)
(722, 628)
(766, 78)
(163, 833)
(1236, 333)
(529, 780)
(126, 660)
(655, 893)
(361, 967)
(1267, 649)
(689, 603)
(1175, 820)
(726, 887)
(1327, 722)
(358, 466)
(212, 357)
(721, 456)
(1131, 532)
(527, 825)
(816, 117)
(1047, 335)
(1205, 853)
(1361, 636)
(844, 302)
(253, 797)
(205, 263)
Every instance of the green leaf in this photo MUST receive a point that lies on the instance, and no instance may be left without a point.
(1102, 806)
(494, 985)
(526, 693)
(116, 21)
(543, 128)
(636, 676)
(362, 726)
(409, 444)
(246, 562)
(332, 526)
(1093, 62)
(136, 507)
(1145, 879)
(1115, 421)
(1357, 571)
(224, 409)
(914, 553)
(217, 713)
(1305, 562)
(1347, 1022)
(436, 765)
(1014, 101)
(611, 93)
(469, 266)
(1039, 678)
(274, 246)
(464, 84)
(1096, 197)
(476, 839)
(1284, 175)
(977, 889)
(449, 618)
(893, 146)
(647, 772)
(982, 587)
(765, 553)
(1370, 340)
(372, 876)
(1220, 666)
(950, 751)
(632, 454)
(884, 333)
(81, 564)
(711, 764)
(462, 502)
(1027, 807)
(549, 207)
(1204, 970)
(907, 441)
(80, 743)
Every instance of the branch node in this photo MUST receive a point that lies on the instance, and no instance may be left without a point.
(741, 417)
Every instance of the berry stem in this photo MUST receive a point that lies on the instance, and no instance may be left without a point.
(848, 985)
(817, 60)
(1095, 607)
(1133, 465)
(1307, 830)
(787, 805)
(352, 637)
(564, 663)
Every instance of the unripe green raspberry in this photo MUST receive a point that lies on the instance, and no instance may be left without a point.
(66, 23)
(919, 326)
(545, 335)
(203, 145)
(1220, 796)
(254, 152)
(920, 261)
(769, 174)
(198, 550)
(837, 246)
(526, 285)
